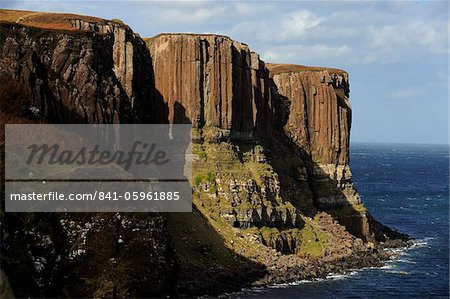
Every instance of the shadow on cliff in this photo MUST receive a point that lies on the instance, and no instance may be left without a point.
(35, 247)
(358, 222)
(207, 265)
(302, 184)
(202, 258)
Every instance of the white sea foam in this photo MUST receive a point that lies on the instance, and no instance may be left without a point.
(278, 286)
(397, 272)
(333, 276)
(421, 243)
(385, 266)
(390, 266)
(400, 255)
(406, 261)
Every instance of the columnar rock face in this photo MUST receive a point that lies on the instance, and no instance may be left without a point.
(77, 69)
(318, 121)
(320, 112)
(211, 81)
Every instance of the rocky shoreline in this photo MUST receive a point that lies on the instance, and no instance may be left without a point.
(212, 276)
(285, 273)
(320, 270)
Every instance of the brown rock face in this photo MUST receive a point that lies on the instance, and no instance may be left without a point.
(318, 121)
(212, 81)
(77, 69)
(320, 113)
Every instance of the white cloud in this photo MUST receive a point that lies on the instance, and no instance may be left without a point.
(399, 41)
(404, 93)
(304, 53)
(425, 90)
(196, 15)
(297, 25)
(372, 33)
(249, 9)
(357, 33)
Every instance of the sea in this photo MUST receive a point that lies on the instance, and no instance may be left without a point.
(404, 186)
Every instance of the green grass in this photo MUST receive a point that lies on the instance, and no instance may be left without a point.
(314, 241)
(198, 150)
(221, 162)
(208, 177)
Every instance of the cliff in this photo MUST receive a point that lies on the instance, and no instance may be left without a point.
(319, 117)
(220, 86)
(216, 81)
(319, 121)
(76, 68)
(272, 189)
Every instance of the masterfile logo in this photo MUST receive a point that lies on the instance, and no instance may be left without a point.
(104, 168)
(141, 153)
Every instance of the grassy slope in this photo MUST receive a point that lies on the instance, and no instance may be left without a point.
(279, 68)
(59, 21)
(208, 245)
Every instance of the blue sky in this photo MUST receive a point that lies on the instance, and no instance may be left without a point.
(396, 52)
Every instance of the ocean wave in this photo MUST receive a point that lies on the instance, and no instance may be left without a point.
(331, 276)
(278, 286)
(295, 283)
(400, 272)
(342, 276)
(406, 261)
(421, 242)
(387, 265)
(397, 252)
(400, 256)
(253, 291)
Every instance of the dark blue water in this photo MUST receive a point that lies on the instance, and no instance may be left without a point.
(405, 187)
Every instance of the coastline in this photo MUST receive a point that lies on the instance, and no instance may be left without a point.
(312, 270)
(376, 257)
(340, 269)
(395, 255)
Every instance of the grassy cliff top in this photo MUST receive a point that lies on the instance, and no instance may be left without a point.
(60, 21)
(280, 68)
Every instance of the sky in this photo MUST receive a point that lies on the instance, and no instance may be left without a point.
(396, 52)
